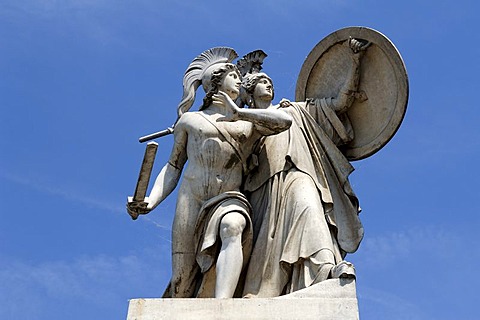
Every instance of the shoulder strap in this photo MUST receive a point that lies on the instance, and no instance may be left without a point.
(235, 145)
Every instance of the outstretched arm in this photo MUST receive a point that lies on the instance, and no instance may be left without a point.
(267, 121)
(349, 92)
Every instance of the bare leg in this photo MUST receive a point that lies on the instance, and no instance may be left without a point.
(230, 259)
(185, 269)
(184, 273)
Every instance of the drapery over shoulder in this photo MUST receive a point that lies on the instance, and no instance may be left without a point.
(320, 133)
(311, 145)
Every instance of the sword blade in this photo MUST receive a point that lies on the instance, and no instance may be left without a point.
(145, 172)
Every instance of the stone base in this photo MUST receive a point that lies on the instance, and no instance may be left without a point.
(330, 299)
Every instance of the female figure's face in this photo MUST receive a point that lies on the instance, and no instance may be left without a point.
(263, 90)
(231, 84)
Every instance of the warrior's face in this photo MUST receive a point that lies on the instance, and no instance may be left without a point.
(230, 84)
(263, 90)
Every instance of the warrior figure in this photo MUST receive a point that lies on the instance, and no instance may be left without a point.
(212, 229)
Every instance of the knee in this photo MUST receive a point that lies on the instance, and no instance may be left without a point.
(232, 225)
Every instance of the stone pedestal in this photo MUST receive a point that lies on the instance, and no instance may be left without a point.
(328, 300)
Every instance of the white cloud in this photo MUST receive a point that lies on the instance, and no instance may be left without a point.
(90, 19)
(378, 304)
(409, 273)
(63, 193)
(50, 8)
(36, 290)
(75, 196)
(385, 250)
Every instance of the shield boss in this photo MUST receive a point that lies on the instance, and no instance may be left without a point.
(383, 79)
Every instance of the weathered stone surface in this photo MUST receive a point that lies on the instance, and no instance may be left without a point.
(212, 230)
(331, 299)
(265, 207)
(379, 109)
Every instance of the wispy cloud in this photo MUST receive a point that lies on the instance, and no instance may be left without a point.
(387, 249)
(75, 196)
(406, 274)
(379, 259)
(63, 193)
(35, 291)
(50, 8)
(86, 18)
(385, 305)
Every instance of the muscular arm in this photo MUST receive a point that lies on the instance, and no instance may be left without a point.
(168, 177)
(266, 121)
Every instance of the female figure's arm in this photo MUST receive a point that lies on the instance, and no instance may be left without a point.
(266, 121)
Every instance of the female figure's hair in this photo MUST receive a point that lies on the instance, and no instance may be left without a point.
(250, 82)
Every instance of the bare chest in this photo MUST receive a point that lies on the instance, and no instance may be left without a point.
(208, 127)
(212, 142)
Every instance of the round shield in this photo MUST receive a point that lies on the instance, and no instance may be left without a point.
(382, 97)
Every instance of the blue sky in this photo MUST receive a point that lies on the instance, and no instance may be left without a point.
(82, 80)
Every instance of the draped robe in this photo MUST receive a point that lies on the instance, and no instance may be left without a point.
(305, 213)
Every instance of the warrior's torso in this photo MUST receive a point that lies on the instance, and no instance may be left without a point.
(214, 165)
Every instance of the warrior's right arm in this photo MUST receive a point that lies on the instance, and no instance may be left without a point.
(168, 177)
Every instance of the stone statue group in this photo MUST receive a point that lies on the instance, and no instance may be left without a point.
(264, 207)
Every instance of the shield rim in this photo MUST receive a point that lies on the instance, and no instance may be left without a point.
(401, 76)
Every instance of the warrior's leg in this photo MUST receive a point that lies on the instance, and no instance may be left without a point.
(184, 272)
(230, 259)
(184, 266)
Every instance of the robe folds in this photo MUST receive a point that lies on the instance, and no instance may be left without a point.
(208, 243)
(305, 213)
(208, 240)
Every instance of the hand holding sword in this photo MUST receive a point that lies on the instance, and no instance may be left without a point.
(137, 204)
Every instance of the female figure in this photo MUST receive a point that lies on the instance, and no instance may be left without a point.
(305, 215)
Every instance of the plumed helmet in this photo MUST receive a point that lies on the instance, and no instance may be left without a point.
(200, 72)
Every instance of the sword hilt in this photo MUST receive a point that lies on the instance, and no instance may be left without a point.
(155, 135)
